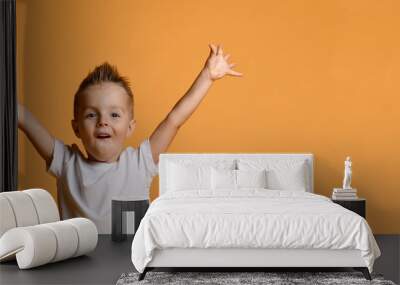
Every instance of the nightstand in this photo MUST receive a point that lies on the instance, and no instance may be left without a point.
(121, 206)
(358, 206)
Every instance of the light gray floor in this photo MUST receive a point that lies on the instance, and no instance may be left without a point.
(111, 259)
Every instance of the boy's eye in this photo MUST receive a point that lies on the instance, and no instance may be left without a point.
(90, 115)
(115, 115)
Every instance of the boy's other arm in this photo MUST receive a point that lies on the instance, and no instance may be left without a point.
(41, 139)
(216, 67)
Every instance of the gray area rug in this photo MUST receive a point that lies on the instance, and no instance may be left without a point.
(225, 278)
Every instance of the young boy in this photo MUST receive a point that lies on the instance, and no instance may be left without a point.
(103, 119)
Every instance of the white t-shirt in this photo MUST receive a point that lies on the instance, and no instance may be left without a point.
(86, 188)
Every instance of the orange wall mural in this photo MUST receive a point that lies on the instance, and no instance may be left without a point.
(320, 77)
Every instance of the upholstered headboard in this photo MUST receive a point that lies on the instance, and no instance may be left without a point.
(193, 158)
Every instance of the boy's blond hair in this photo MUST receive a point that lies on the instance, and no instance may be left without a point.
(102, 73)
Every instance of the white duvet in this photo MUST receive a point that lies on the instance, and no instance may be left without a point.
(250, 218)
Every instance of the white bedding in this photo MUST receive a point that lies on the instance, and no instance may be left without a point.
(250, 218)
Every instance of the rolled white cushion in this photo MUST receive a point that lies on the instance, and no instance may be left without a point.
(46, 207)
(67, 240)
(40, 244)
(33, 246)
(7, 218)
(87, 234)
(23, 208)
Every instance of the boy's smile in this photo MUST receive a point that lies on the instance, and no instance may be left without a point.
(104, 121)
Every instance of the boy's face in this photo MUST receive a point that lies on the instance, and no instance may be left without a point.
(104, 121)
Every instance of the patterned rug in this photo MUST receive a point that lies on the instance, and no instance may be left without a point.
(269, 278)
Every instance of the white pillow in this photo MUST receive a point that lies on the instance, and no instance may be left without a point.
(287, 179)
(186, 177)
(251, 178)
(236, 179)
(282, 174)
(223, 179)
(189, 174)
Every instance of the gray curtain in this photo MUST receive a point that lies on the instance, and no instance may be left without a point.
(8, 100)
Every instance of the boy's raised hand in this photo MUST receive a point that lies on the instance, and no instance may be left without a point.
(217, 64)
(216, 67)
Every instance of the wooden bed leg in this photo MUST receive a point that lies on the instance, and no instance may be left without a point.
(364, 271)
(143, 274)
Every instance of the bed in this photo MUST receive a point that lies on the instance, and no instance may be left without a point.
(245, 211)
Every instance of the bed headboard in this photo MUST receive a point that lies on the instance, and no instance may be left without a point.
(167, 157)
